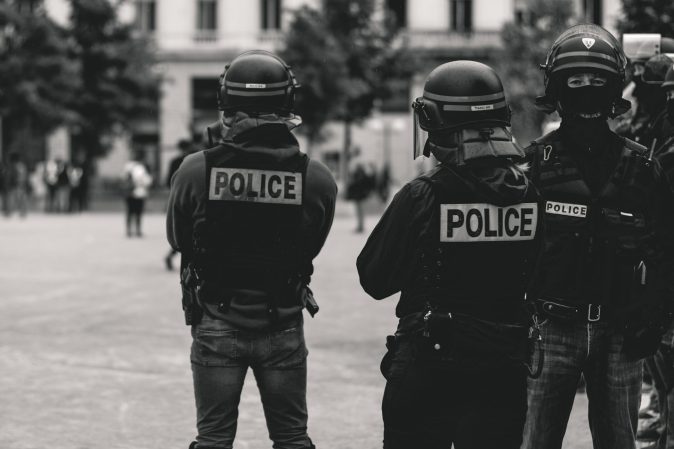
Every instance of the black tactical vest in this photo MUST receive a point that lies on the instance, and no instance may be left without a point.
(478, 255)
(597, 244)
(250, 238)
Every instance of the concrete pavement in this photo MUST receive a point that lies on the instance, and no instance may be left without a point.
(93, 352)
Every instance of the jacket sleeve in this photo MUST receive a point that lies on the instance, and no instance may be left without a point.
(665, 233)
(320, 208)
(386, 263)
(184, 204)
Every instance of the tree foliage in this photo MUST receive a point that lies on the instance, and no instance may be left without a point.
(346, 55)
(118, 82)
(647, 16)
(525, 47)
(38, 77)
(320, 65)
(93, 76)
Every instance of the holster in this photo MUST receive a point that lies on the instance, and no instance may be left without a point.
(301, 291)
(188, 282)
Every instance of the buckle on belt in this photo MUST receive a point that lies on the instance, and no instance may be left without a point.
(591, 315)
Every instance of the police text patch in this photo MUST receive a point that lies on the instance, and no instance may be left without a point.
(569, 209)
(487, 223)
(259, 186)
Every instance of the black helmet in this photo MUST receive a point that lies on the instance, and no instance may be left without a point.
(460, 96)
(585, 48)
(656, 68)
(257, 81)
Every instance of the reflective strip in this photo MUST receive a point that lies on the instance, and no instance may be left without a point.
(266, 85)
(589, 65)
(464, 99)
(255, 93)
(593, 54)
(668, 83)
(474, 107)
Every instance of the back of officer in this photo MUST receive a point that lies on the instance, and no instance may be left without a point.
(663, 129)
(248, 216)
(605, 274)
(459, 243)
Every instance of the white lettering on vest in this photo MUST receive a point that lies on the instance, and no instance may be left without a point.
(568, 209)
(258, 186)
(487, 223)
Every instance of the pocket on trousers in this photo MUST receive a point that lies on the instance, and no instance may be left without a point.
(214, 347)
(288, 349)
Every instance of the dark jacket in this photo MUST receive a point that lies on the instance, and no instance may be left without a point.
(609, 211)
(188, 198)
(404, 253)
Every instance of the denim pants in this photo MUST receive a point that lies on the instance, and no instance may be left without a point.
(613, 385)
(661, 369)
(220, 359)
(434, 402)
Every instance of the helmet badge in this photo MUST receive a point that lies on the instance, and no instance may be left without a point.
(588, 42)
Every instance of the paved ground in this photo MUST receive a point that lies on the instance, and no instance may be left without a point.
(93, 353)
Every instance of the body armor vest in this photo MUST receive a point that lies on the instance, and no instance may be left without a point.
(478, 254)
(597, 243)
(250, 238)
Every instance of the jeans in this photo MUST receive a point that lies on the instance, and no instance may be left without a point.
(613, 385)
(433, 401)
(220, 359)
(661, 368)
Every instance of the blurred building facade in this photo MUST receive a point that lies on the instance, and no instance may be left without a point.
(195, 38)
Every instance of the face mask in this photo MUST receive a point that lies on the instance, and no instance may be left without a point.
(585, 100)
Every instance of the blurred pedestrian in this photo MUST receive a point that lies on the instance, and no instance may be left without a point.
(362, 181)
(62, 187)
(136, 182)
(248, 216)
(38, 187)
(18, 186)
(75, 198)
(186, 147)
(51, 176)
(460, 243)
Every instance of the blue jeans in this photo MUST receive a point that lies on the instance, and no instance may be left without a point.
(661, 369)
(613, 385)
(220, 359)
(432, 400)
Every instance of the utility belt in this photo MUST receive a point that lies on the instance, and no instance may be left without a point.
(197, 291)
(465, 337)
(582, 313)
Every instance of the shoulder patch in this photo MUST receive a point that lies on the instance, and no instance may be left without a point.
(484, 222)
(256, 186)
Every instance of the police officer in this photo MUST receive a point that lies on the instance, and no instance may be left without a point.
(645, 62)
(248, 216)
(604, 279)
(664, 150)
(459, 243)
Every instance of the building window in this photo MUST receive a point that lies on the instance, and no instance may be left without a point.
(593, 11)
(461, 15)
(146, 15)
(207, 15)
(398, 11)
(271, 14)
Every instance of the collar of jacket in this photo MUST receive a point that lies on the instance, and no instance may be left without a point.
(466, 145)
(268, 133)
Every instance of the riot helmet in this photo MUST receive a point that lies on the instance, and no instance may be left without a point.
(257, 82)
(584, 49)
(640, 47)
(457, 96)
